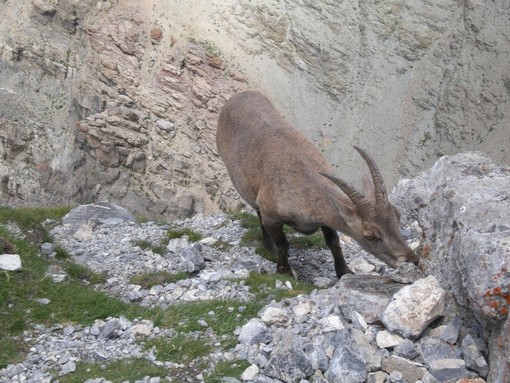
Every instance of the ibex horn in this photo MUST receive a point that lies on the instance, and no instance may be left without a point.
(364, 207)
(381, 196)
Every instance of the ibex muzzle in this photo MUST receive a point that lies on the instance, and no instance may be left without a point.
(285, 178)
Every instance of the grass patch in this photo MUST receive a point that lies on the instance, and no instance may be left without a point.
(193, 236)
(227, 369)
(70, 301)
(180, 348)
(30, 220)
(147, 245)
(253, 236)
(158, 278)
(116, 371)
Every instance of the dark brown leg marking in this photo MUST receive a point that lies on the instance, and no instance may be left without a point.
(333, 242)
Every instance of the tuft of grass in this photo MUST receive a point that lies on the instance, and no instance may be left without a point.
(193, 236)
(147, 245)
(227, 369)
(157, 278)
(181, 348)
(30, 220)
(116, 371)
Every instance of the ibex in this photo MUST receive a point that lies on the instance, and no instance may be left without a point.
(285, 178)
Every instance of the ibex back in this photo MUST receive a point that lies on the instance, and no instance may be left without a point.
(285, 178)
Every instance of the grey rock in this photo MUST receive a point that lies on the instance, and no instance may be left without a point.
(93, 213)
(450, 333)
(192, 260)
(288, 361)
(411, 371)
(48, 248)
(436, 349)
(111, 328)
(446, 369)
(366, 294)
(347, 364)
(377, 377)
(68, 368)
(254, 332)
(407, 349)
(473, 356)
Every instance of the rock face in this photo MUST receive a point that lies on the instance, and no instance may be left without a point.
(463, 208)
(119, 100)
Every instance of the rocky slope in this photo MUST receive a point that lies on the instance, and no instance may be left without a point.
(375, 326)
(118, 100)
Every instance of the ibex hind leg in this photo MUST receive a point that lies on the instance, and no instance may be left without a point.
(268, 241)
(274, 231)
(333, 242)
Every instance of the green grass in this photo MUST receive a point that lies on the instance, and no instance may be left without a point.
(193, 236)
(70, 301)
(225, 369)
(157, 278)
(147, 245)
(253, 236)
(115, 371)
(180, 349)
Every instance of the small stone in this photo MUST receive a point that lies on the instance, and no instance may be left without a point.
(358, 321)
(446, 369)
(250, 373)
(110, 328)
(94, 330)
(331, 323)
(473, 356)
(272, 315)
(377, 377)
(450, 333)
(323, 282)
(406, 349)
(386, 339)
(255, 332)
(411, 371)
(48, 248)
(68, 368)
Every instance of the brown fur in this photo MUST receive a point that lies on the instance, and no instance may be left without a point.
(283, 176)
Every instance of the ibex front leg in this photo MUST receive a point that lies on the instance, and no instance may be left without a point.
(274, 229)
(333, 242)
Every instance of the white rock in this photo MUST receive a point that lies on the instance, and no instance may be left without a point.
(10, 262)
(84, 233)
(387, 339)
(302, 309)
(414, 307)
(250, 373)
(272, 315)
(331, 323)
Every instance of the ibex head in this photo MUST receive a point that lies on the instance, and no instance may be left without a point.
(374, 223)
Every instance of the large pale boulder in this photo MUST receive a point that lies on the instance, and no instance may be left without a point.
(463, 207)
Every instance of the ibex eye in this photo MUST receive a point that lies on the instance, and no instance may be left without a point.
(370, 237)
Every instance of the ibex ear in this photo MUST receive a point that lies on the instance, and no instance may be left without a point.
(342, 209)
(367, 188)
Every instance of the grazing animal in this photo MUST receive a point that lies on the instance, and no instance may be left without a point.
(285, 178)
